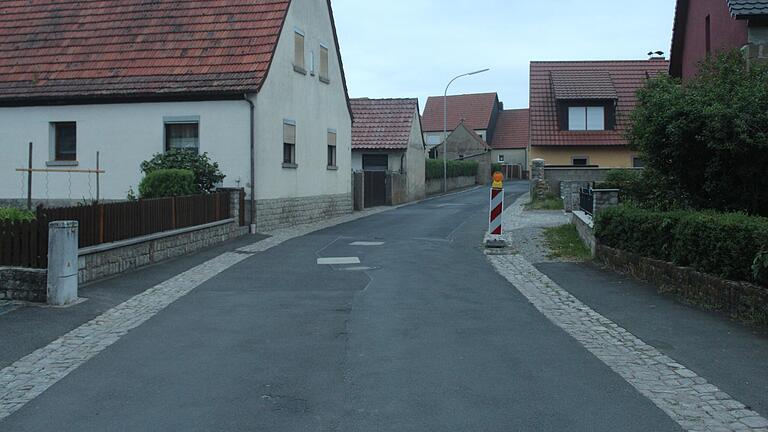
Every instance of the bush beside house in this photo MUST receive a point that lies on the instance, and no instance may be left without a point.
(434, 169)
(206, 172)
(11, 214)
(167, 183)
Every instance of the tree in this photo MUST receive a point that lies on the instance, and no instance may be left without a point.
(207, 173)
(707, 139)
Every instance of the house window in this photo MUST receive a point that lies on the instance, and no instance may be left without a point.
(637, 162)
(501, 158)
(298, 53)
(708, 34)
(182, 136)
(289, 144)
(324, 74)
(331, 148)
(579, 161)
(586, 118)
(65, 141)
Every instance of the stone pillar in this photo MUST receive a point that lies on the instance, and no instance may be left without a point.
(538, 184)
(62, 262)
(605, 198)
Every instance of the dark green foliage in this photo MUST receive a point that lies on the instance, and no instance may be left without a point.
(723, 244)
(10, 214)
(455, 169)
(495, 167)
(643, 188)
(206, 172)
(760, 267)
(167, 183)
(707, 140)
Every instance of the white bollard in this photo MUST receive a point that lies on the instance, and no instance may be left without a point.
(62, 262)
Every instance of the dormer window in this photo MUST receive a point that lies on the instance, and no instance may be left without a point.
(589, 118)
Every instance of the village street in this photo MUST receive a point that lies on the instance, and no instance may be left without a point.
(394, 322)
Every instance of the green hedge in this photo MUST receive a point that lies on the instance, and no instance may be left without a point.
(10, 214)
(723, 244)
(455, 169)
(167, 183)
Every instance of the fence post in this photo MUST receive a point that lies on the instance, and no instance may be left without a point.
(62, 262)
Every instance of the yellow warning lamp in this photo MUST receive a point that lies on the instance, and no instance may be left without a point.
(498, 180)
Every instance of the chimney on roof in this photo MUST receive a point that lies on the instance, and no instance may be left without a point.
(656, 55)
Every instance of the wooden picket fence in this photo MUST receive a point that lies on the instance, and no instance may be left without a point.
(25, 244)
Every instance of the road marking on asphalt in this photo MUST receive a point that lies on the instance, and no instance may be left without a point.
(690, 400)
(338, 261)
(366, 243)
(361, 268)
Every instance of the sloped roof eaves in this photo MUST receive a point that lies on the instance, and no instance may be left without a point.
(476, 110)
(627, 76)
(512, 130)
(582, 85)
(748, 8)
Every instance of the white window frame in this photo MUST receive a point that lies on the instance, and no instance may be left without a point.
(300, 68)
(500, 158)
(294, 162)
(191, 119)
(574, 112)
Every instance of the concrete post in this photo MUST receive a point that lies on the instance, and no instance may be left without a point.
(358, 190)
(62, 262)
(538, 184)
(605, 198)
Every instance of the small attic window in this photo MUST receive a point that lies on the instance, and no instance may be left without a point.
(299, 64)
(324, 73)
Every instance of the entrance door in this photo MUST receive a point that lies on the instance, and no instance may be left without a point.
(375, 167)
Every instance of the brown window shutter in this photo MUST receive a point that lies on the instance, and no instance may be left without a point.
(298, 59)
(324, 63)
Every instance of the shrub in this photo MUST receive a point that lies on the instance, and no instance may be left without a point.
(723, 244)
(434, 169)
(760, 268)
(167, 183)
(11, 214)
(206, 172)
(495, 167)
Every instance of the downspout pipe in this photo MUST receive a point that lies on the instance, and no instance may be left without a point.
(253, 162)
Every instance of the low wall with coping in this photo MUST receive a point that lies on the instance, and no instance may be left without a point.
(109, 259)
(585, 227)
(740, 300)
(435, 186)
(23, 284)
(286, 212)
(553, 176)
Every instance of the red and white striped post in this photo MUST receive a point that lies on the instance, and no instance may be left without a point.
(496, 211)
(495, 229)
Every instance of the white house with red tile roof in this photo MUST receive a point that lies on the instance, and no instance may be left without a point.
(579, 110)
(477, 111)
(215, 76)
(387, 136)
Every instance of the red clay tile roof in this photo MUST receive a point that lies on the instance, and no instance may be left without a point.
(511, 130)
(475, 109)
(627, 77)
(383, 124)
(111, 48)
(583, 85)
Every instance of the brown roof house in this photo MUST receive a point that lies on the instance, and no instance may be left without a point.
(463, 143)
(579, 110)
(703, 27)
(387, 137)
(510, 138)
(259, 85)
(478, 112)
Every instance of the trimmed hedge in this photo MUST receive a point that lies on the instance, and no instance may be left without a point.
(11, 214)
(723, 244)
(455, 169)
(167, 183)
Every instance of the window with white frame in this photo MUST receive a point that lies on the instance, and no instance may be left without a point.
(324, 72)
(501, 158)
(182, 135)
(298, 52)
(590, 118)
(331, 148)
(289, 144)
(64, 141)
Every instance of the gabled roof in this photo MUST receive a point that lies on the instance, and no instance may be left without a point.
(383, 124)
(474, 109)
(627, 77)
(511, 130)
(748, 8)
(582, 85)
(54, 51)
(462, 127)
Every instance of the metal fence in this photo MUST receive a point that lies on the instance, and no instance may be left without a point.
(587, 200)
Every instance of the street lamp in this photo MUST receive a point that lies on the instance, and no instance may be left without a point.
(445, 127)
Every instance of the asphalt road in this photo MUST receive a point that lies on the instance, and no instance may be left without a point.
(422, 335)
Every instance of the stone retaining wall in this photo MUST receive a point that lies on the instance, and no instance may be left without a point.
(110, 259)
(285, 212)
(435, 186)
(741, 300)
(23, 284)
(585, 228)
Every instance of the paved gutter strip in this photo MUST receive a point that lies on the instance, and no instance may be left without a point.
(690, 400)
(27, 378)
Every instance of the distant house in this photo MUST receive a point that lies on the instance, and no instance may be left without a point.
(465, 144)
(478, 112)
(386, 136)
(131, 80)
(510, 139)
(703, 27)
(579, 110)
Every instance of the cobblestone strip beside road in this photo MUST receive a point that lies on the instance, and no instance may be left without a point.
(687, 398)
(30, 376)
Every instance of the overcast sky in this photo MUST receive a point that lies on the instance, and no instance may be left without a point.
(412, 48)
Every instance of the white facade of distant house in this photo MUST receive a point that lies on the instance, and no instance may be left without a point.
(510, 156)
(313, 104)
(433, 139)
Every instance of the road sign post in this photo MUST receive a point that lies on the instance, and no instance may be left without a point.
(495, 228)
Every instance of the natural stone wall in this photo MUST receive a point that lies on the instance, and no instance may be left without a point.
(107, 260)
(284, 212)
(435, 186)
(585, 228)
(741, 300)
(605, 198)
(570, 193)
(23, 284)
